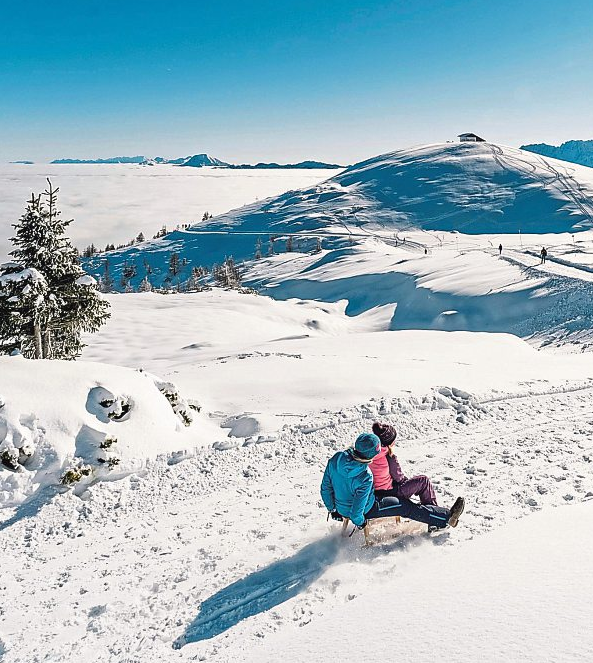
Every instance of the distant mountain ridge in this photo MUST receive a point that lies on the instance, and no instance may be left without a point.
(197, 161)
(301, 164)
(137, 159)
(201, 160)
(575, 151)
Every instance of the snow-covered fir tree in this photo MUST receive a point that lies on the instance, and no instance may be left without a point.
(174, 264)
(195, 283)
(227, 275)
(26, 309)
(106, 282)
(258, 249)
(145, 285)
(66, 301)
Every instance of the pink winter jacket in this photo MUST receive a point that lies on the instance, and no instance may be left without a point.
(386, 470)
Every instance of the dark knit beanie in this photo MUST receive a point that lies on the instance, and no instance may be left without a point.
(385, 433)
(366, 447)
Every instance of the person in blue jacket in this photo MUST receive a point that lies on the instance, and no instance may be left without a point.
(347, 491)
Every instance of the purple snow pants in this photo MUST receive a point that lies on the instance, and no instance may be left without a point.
(419, 485)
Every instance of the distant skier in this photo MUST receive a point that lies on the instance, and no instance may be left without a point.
(543, 254)
(500, 249)
(347, 491)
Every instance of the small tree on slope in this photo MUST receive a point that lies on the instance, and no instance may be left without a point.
(76, 306)
(25, 309)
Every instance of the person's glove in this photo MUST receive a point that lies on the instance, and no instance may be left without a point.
(336, 516)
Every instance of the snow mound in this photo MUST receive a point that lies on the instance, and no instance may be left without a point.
(251, 426)
(94, 422)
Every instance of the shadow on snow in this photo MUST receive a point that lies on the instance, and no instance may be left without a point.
(260, 591)
(30, 507)
(268, 587)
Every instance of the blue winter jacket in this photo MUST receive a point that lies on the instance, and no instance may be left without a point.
(347, 486)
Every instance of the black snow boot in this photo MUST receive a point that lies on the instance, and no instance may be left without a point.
(456, 511)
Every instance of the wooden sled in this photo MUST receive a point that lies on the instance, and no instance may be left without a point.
(377, 530)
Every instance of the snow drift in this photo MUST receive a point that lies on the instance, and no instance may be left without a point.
(72, 423)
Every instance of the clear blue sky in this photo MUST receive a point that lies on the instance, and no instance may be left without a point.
(289, 79)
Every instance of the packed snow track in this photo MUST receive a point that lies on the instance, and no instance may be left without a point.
(208, 555)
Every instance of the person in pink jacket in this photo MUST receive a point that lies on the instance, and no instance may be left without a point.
(388, 478)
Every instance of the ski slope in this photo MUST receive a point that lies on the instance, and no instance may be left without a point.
(510, 595)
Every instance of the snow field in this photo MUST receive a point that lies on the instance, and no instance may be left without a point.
(518, 593)
(221, 552)
(250, 354)
(219, 555)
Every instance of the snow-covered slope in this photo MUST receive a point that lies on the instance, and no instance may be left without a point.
(223, 553)
(226, 555)
(113, 203)
(219, 552)
(471, 188)
(244, 354)
(516, 594)
(575, 151)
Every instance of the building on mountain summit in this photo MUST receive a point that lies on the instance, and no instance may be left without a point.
(470, 138)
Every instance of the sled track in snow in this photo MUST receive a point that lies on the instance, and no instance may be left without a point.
(203, 556)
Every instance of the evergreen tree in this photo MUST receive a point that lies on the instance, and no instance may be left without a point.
(26, 309)
(194, 284)
(128, 270)
(289, 248)
(145, 285)
(140, 238)
(41, 244)
(174, 265)
(227, 275)
(90, 251)
(106, 283)
(258, 249)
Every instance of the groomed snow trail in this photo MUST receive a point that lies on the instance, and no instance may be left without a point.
(199, 557)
